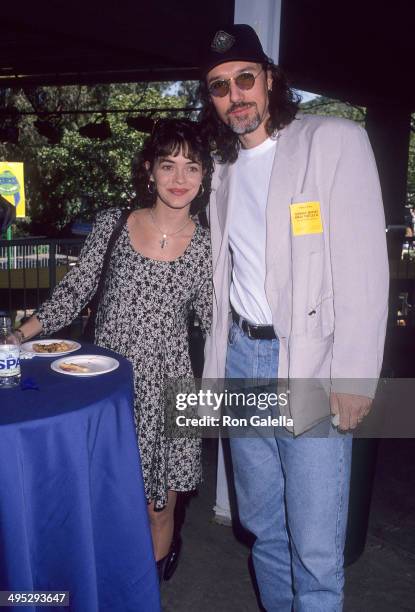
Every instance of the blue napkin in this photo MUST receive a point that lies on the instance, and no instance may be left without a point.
(29, 384)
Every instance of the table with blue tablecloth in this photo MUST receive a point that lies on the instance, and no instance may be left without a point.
(73, 514)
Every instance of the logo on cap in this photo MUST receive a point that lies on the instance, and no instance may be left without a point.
(222, 42)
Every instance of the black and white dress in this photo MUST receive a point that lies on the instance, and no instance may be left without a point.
(143, 315)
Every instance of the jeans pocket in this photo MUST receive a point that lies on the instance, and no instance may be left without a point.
(233, 334)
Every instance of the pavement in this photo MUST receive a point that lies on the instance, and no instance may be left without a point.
(214, 569)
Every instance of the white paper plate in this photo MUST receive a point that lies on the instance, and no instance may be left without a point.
(28, 347)
(96, 364)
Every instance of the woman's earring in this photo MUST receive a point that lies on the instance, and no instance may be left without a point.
(151, 187)
(199, 195)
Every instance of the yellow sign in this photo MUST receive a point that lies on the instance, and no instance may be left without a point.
(306, 218)
(12, 185)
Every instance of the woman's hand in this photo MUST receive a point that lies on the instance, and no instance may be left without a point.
(14, 338)
(28, 330)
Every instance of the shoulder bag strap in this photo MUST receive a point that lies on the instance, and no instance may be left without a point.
(93, 304)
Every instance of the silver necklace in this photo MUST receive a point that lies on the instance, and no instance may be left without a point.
(164, 242)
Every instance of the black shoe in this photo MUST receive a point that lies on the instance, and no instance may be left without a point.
(172, 559)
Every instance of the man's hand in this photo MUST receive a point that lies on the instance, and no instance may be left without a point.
(351, 409)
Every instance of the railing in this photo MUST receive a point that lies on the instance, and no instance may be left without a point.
(30, 268)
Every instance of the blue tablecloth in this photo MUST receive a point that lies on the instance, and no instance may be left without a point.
(73, 515)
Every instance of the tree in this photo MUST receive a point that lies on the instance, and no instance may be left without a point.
(76, 174)
(334, 108)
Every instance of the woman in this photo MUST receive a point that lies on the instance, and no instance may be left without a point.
(159, 267)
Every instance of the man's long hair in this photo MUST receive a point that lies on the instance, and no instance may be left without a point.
(283, 107)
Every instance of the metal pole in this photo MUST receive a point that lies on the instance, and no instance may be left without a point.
(9, 236)
(52, 265)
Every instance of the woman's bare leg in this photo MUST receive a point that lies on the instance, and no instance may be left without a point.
(162, 525)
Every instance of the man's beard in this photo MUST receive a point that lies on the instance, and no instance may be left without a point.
(243, 125)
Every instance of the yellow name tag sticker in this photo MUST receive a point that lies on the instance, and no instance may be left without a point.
(306, 218)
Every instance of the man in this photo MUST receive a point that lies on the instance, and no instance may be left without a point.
(300, 268)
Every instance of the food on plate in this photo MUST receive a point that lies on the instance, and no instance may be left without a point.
(73, 367)
(52, 347)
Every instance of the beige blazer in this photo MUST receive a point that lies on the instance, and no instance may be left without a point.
(340, 276)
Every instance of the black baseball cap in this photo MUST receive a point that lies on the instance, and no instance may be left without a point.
(237, 42)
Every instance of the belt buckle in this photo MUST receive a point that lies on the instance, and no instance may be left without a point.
(251, 328)
(244, 325)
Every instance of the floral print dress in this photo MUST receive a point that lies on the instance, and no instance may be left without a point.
(143, 315)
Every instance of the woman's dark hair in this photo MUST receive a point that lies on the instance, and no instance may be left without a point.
(171, 137)
(283, 107)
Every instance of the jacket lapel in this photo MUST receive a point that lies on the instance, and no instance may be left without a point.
(222, 194)
(278, 246)
(223, 204)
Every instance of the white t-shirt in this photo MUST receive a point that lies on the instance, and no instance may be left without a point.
(247, 235)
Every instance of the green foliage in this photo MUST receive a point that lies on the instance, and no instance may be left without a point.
(80, 175)
(328, 107)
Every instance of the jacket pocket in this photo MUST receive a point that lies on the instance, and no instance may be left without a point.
(315, 278)
(320, 318)
(307, 253)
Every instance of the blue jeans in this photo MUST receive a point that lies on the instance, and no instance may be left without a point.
(293, 496)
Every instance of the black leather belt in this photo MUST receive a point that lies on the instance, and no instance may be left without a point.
(256, 332)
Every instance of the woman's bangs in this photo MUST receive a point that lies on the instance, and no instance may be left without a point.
(179, 146)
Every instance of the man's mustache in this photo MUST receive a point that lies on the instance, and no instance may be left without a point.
(239, 105)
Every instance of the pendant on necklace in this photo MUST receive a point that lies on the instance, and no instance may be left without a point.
(163, 241)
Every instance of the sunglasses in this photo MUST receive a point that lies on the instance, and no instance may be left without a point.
(244, 81)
